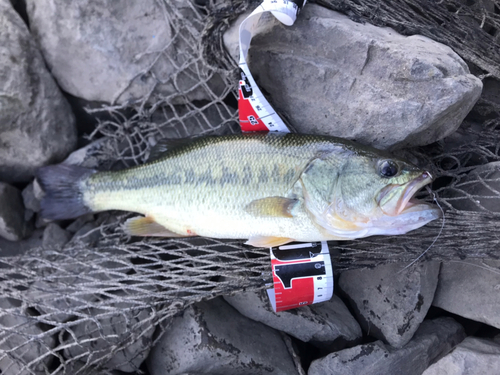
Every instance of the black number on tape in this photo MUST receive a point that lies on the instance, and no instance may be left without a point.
(287, 272)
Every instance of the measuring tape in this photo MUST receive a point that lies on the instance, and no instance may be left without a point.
(302, 275)
(302, 272)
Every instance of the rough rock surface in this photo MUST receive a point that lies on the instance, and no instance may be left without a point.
(12, 224)
(55, 237)
(110, 52)
(14, 341)
(114, 329)
(470, 289)
(390, 302)
(213, 338)
(433, 340)
(473, 356)
(9, 248)
(479, 190)
(359, 81)
(324, 324)
(37, 126)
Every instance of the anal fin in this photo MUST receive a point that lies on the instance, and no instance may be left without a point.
(147, 227)
(262, 241)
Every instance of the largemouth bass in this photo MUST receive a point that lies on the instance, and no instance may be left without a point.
(268, 188)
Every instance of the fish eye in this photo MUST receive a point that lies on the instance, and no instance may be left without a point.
(388, 168)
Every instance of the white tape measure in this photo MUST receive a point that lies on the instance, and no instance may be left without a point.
(302, 273)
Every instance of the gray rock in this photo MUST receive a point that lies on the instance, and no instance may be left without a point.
(66, 291)
(98, 337)
(37, 126)
(213, 338)
(30, 201)
(12, 224)
(55, 237)
(88, 234)
(433, 340)
(479, 190)
(76, 225)
(326, 324)
(473, 356)
(109, 52)
(22, 342)
(9, 248)
(330, 75)
(470, 289)
(390, 302)
(93, 156)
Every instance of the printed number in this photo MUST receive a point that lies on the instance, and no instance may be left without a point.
(258, 107)
(302, 303)
(253, 120)
(270, 124)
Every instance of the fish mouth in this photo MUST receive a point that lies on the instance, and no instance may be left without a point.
(395, 200)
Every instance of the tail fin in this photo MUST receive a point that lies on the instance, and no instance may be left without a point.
(62, 186)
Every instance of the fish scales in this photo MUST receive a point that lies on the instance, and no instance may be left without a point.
(238, 169)
(269, 188)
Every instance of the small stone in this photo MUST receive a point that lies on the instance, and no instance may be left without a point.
(327, 324)
(213, 338)
(76, 225)
(98, 337)
(433, 339)
(93, 156)
(37, 126)
(9, 248)
(88, 234)
(475, 296)
(30, 201)
(390, 301)
(22, 342)
(12, 224)
(329, 75)
(55, 237)
(473, 356)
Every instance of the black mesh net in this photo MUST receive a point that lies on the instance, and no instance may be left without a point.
(88, 309)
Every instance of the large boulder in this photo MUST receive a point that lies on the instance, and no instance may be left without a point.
(213, 338)
(475, 296)
(37, 126)
(121, 52)
(433, 340)
(473, 356)
(330, 75)
(326, 324)
(12, 224)
(391, 301)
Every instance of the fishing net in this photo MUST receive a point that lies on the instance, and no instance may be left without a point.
(94, 309)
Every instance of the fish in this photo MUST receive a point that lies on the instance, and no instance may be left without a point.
(267, 188)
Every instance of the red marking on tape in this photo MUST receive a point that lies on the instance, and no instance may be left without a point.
(301, 292)
(249, 120)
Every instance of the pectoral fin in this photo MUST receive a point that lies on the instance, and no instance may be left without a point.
(146, 226)
(272, 207)
(261, 241)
